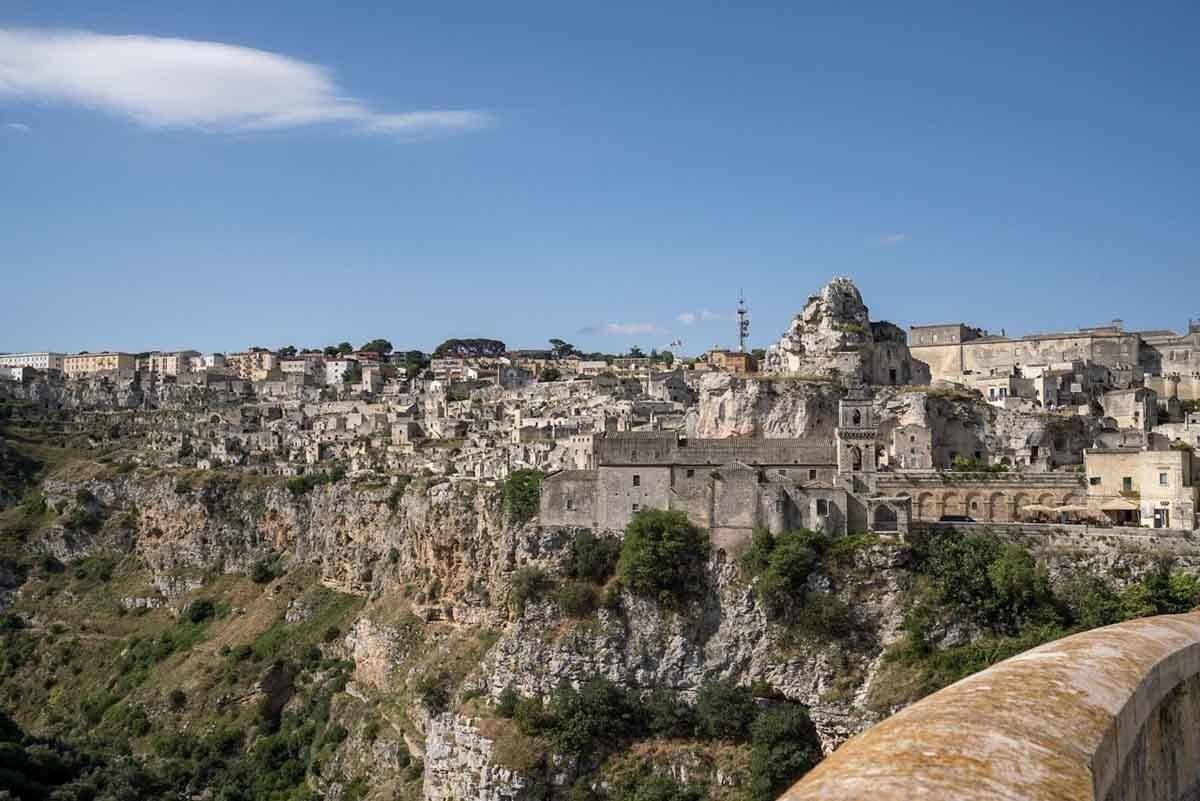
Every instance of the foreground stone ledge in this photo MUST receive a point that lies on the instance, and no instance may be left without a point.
(1107, 714)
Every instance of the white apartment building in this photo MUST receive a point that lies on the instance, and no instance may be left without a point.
(38, 361)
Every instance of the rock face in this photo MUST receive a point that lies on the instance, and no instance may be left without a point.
(460, 763)
(960, 424)
(725, 634)
(833, 336)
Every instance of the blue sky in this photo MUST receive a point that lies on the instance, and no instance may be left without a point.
(605, 173)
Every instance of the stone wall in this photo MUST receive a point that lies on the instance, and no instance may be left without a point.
(1111, 714)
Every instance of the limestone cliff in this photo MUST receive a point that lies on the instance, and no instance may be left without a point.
(833, 336)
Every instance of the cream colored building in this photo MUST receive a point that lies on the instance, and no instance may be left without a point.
(38, 361)
(172, 363)
(1155, 489)
(252, 365)
(88, 363)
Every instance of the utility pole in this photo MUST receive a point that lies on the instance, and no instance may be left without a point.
(743, 323)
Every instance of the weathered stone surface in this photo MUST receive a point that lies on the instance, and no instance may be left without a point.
(1108, 714)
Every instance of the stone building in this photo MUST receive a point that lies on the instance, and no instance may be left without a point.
(1138, 486)
(87, 363)
(730, 486)
(38, 361)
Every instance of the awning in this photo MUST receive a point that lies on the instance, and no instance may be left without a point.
(1119, 505)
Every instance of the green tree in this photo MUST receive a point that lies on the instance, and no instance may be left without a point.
(593, 558)
(550, 374)
(562, 349)
(724, 710)
(380, 346)
(521, 492)
(663, 555)
(784, 746)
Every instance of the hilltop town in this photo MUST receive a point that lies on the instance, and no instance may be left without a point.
(845, 423)
(486, 574)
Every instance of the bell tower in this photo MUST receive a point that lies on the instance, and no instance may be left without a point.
(856, 432)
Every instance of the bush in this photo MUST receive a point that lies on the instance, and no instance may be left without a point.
(397, 494)
(662, 555)
(531, 717)
(263, 572)
(668, 716)
(199, 610)
(596, 715)
(593, 558)
(433, 690)
(506, 704)
(177, 699)
(724, 710)
(578, 599)
(529, 583)
(784, 746)
(645, 785)
(521, 495)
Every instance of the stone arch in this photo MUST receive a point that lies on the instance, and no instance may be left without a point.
(975, 506)
(998, 507)
(1047, 499)
(856, 458)
(1019, 501)
(926, 506)
(952, 504)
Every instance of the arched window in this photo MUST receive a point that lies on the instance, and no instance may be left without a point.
(856, 458)
(856, 418)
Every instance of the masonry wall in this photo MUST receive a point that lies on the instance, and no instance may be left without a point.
(1111, 714)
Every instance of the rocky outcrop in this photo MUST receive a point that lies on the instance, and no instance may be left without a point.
(833, 336)
(460, 763)
(724, 634)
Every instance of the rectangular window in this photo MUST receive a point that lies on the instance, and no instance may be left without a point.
(636, 507)
(637, 481)
(782, 471)
(691, 473)
(570, 504)
(1094, 481)
(1164, 479)
(812, 475)
(1127, 484)
(822, 507)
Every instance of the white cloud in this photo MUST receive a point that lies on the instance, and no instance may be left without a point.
(19, 127)
(164, 83)
(703, 316)
(621, 329)
(629, 329)
(895, 238)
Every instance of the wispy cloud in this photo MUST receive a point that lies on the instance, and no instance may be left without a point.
(894, 238)
(621, 329)
(168, 83)
(703, 316)
(19, 127)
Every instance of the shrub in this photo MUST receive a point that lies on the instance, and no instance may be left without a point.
(529, 583)
(577, 598)
(177, 699)
(506, 704)
(263, 572)
(724, 710)
(668, 716)
(331, 634)
(521, 495)
(593, 558)
(531, 716)
(784, 746)
(397, 494)
(644, 785)
(598, 714)
(433, 690)
(662, 556)
(199, 610)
